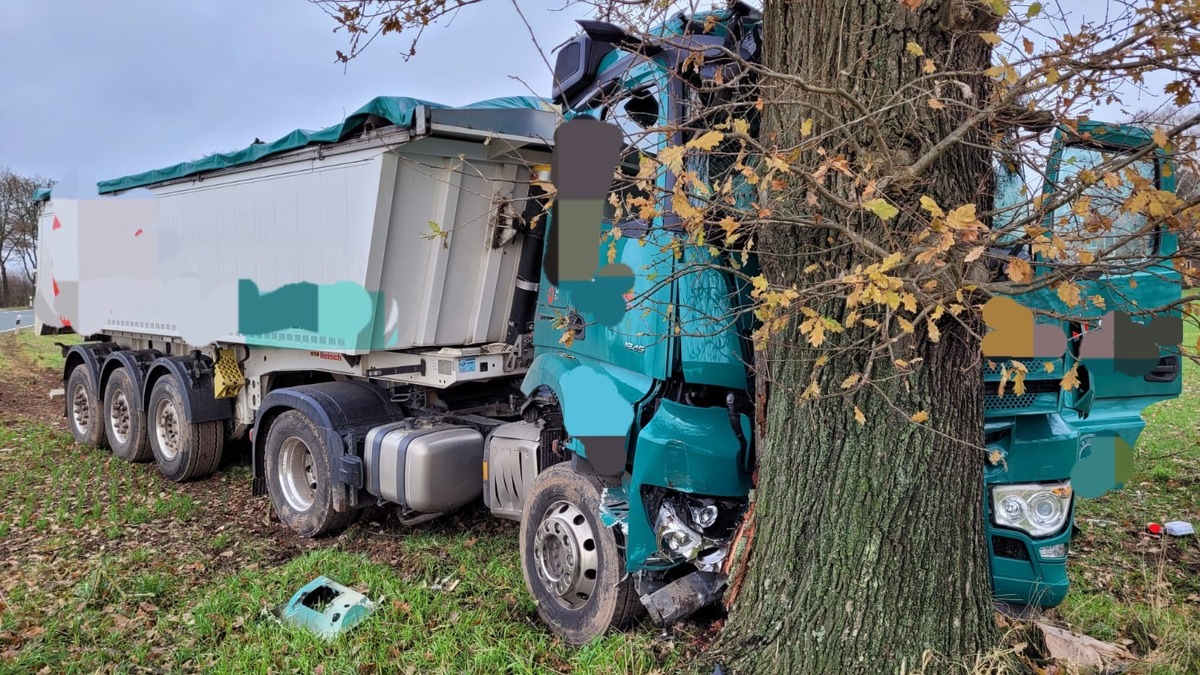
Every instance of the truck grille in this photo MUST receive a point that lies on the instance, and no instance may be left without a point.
(1011, 401)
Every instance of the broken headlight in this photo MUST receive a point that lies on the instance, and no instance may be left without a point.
(1038, 509)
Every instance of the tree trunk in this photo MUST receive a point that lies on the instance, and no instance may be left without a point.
(868, 551)
(4, 299)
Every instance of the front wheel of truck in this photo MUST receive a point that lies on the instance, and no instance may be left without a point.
(573, 564)
(299, 477)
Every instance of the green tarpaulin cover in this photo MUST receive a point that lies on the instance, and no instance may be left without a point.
(396, 109)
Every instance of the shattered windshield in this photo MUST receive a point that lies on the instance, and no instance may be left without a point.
(1097, 220)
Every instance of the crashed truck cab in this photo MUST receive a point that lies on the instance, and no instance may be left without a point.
(1038, 440)
(689, 465)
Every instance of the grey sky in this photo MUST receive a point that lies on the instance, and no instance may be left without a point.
(96, 90)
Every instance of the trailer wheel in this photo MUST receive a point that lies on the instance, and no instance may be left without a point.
(572, 563)
(184, 450)
(124, 419)
(83, 408)
(299, 477)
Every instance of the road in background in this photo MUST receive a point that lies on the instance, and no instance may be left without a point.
(15, 319)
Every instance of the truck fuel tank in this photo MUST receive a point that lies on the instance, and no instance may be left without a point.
(433, 469)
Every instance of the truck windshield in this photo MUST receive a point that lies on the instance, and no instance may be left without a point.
(1105, 226)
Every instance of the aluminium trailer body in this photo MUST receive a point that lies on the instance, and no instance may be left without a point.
(346, 285)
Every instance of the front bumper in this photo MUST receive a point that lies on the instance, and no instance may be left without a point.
(1021, 575)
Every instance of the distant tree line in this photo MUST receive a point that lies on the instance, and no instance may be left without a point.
(18, 236)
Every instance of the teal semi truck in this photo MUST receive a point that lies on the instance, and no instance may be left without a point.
(369, 306)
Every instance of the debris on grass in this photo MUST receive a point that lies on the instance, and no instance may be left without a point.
(326, 608)
(1079, 651)
(1179, 528)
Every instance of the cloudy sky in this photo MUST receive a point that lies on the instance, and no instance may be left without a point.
(95, 90)
(91, 90)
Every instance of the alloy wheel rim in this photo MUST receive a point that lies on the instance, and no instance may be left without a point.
(564, 555)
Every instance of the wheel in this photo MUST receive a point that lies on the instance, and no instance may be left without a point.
(124, 419)
(83, 409)
(572, 563)
(299, 477)
(184, 450)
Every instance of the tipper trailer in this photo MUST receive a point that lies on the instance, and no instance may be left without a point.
(368, 304)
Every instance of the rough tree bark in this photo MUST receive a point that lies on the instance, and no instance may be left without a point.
(869, 548)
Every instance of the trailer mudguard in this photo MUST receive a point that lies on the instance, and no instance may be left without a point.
(598, 402)
(194, 373)
(90, 355)
(137, 362)
(343, 412)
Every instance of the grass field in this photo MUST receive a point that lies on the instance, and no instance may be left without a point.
(1131, 588)
(104, 566)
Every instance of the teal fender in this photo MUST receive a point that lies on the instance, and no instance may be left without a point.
(598, 400)
(687, 449)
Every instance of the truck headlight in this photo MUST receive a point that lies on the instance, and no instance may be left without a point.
(1038, 509)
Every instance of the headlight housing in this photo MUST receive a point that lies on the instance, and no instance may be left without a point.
(1039, 509)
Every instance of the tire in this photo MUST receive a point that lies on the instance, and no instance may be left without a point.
(581, 588)
(183, 450)
(299, 477)
(124, 419)
(83, 409)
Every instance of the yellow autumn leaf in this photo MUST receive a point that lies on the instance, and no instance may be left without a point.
(1048, 366)
(812, 391)
(1071, 378)
(1019, 271)
(881, 208)
(963, 217)
(859, 416)
(920, 417)
(672, 157)
(931, 206)
(1068, 292)
(974, 254)
(905, 324)
(850, 381)
(706, 141)
(914, 49)
(935, 104)
(806, 128)
(935, 334)
(1098, 300)
(1160, 138)
(928, 67)
(991, 38)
